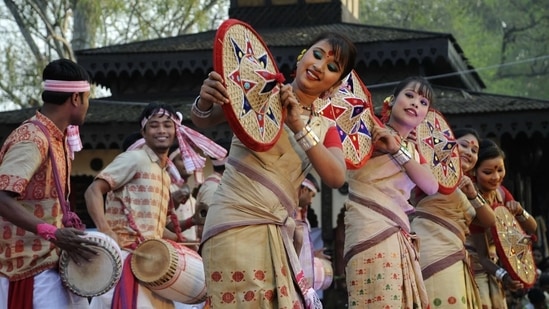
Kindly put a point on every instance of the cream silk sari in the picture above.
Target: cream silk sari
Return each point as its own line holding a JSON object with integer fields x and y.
{"x": 382, "y": 268}
{"x": 247, "y": 247}
{"x": 441, "y": 222}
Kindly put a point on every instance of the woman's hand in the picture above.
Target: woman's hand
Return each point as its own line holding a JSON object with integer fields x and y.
{"x": 512, "y": 285}
{"x": 293, "y": 109}
{"x": 466, "y": 185}
{"x": 212, "y": 92}
{"x": 514, "y": 207}
{"x": 385, "y": 140}
{"x": 207, "y": 111}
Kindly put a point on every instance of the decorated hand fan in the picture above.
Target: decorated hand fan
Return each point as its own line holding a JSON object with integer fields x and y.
{"x": 352, "y": 110}
{"x": 436, "y": 143}
{"x": 253, "y": 82}
{"x": 514, "y": 247}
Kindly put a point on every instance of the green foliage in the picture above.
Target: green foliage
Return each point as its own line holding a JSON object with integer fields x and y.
{"x": 35, "y": 32}
{"x": 502, "y": 39}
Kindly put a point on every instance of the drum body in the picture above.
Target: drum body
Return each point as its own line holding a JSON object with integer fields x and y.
{"x": 171, "y": 270}
{"x": 324, "y": 274}
{"x": 97, "y": 276}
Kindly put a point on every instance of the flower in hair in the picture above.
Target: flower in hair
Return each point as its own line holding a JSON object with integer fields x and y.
{"x": 300, "y": 56}
{"x": 386, "y": 109}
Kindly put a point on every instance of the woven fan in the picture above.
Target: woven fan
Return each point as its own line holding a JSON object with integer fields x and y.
{"x": 351, "y": 109}
{"x": 253, "y": 82}
{"x": 514, "y": 247}
{"x": 436, "y": 143}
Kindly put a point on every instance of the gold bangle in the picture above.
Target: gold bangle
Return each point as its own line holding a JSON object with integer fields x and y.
{"x": 523, "y": 216}
{"x": 402, "y": 156}
{"x": 299, "y": 135}
{"x": 478, "y": 201}
{"x": 308, "y": 141}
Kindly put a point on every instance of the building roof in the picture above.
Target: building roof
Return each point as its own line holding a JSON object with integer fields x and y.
{"x": 450, "y": 101}
{"x": 274, "y": 37}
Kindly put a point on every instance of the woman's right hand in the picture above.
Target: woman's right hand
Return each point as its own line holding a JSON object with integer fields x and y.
{"x": 466, "y": 185}
{"x": 385, "y": 140}
{"x": 212, "y": 92}
{"x": 512, "y": 285}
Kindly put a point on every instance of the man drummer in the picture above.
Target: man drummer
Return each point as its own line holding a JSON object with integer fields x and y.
{"x": 207, "y": 189}
{"x": 137, "y": 185}
{"x": 30, "y": 210}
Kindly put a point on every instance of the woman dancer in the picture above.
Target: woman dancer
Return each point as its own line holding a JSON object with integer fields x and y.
{"x": 491, "y": 278}
{"x": 247, "y": 241}
{"x": 382, "y": 268}
{"x": 442, "y": 223}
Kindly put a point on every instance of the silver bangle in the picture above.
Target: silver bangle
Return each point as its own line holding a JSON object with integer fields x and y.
{"x": 308, "y": 141}
{"x": 478, "y": 201}
{"x": 523, "y": 216}
{"x": 299, "y": 135}
{"x": 500, "y": 273}
{"x": 198, "y": 112}
{"x": 402, "y": 156}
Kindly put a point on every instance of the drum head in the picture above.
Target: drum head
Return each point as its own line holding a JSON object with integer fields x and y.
{"x": 151, "y": 260}
{"x": 513, "y": 247}
{"x": 253, "y": 82}
{"x": 437, "y": 144}
{"x": 352, "y": 111}
{"x": 92, "y": 278}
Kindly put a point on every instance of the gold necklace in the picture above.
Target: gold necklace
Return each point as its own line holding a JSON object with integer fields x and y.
{"x": 307, "y": 108}
{"x": 304, "y": 107}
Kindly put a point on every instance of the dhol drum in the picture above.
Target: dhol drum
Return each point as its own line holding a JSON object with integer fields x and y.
{"x": 171, "y": 270}
{"x": 97, "y": 276}
{"x": 324, "y": 274}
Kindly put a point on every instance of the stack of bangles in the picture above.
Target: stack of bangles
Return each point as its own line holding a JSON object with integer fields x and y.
{"x": 46, "y": 231}
{"x": 306, "y": 138}
{"x": 523, "y": 216}
{"x": 402, "y": 156}
{"x": 478, "y": 201}
{"x": 198, "y": 112}
{"x": 500, "y": 273}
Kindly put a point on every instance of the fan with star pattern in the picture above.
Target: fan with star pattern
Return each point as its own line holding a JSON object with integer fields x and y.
{"x": 436, "y": 143}
{"x": 514, "y": 247}
{"x": 253, "y": 81}
{"x": 352, "y": 111}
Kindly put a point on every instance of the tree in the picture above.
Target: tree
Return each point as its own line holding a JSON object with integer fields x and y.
{"x": 38, "y": 31}
{"x": 509, "y": 37}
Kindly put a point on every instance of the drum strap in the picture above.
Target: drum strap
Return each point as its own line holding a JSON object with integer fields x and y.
{"x": 125, "y": 292}
{"x": 175, "y": 222}
{"x": 70, "y": 218}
